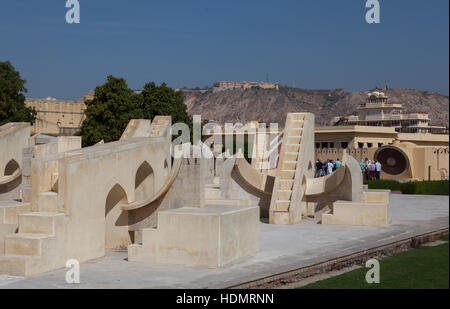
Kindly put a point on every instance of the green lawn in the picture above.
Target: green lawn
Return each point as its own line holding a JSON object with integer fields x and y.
{"x": 421, "y": 268}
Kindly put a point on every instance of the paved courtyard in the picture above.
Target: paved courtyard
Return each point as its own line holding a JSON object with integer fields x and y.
{"x": 282, "y": 248}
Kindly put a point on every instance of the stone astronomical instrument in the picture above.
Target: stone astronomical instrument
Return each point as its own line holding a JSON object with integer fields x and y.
{"x": 394, "y": 161}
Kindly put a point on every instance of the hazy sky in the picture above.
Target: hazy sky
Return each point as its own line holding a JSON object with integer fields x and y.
{"x": 319, "y": 44}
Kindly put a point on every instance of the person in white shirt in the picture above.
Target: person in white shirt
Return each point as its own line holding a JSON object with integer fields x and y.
{"x": 378, "y": 170}
{"x": 330, "y": 167}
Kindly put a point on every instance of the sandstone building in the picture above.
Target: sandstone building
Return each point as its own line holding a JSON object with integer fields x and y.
{"x": 404, "y": 142}
{"x": 378, "y": 111}
{"x": 419, "y": 156}
{"x": 58, "y": 117}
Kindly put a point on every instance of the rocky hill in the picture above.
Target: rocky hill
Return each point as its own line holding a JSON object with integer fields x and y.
{"x": 268, "y": 105}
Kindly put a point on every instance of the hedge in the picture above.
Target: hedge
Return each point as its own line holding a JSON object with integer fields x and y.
{"x": 383, "y": 184}
{"x": 438, "y": 187}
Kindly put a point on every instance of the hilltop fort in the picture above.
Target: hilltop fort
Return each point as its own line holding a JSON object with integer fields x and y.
{"x": 220, "y": 86}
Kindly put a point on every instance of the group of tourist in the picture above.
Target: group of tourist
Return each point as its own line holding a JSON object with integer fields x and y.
{"x": 326, "y": 168}
{"x": 371, "y": 170}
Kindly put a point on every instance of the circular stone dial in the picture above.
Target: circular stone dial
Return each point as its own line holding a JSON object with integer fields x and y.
{"x": 393, "y": 160}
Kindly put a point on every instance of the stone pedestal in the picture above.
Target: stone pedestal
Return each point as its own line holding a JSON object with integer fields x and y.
{"x": 212, "y": 236}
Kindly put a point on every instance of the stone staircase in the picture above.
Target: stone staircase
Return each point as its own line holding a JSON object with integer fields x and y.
{"x": 9, "y": 214}
{"x": 39, "y": 244}
{"x": 37, "y": 247}
{"x": 287, "y": 164}
{"x": 294, "y": 167}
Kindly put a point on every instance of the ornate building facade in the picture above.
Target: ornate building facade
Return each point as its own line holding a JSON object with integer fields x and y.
{"x": 378, "y": 111}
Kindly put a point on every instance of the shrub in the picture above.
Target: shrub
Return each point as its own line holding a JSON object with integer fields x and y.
{"x": 383, "y": 184}
{"x": 438, "y": 187}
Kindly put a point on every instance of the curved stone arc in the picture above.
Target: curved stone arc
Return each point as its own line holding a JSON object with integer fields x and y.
{"x": 10, "y": 178}
{"x": 260, "y": 182}
{"x": 316, "y": 186}
{"x": 167, "y": 184}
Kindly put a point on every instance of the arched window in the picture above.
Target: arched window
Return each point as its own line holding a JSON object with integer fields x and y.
{"x": 116, "y": 220}
{"x": 11, "y": 167}
{"x": 144, "y": 182}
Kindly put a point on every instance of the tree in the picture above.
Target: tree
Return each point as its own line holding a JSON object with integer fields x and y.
{"x": 108, "y": 114}
{"x": 12, "y": 99}
{"x": 163, "y": 100}
{"x": 114, "y": 105}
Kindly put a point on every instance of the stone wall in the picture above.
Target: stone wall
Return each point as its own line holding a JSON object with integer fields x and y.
{"x": 57, "y": 117}
{"x": 337, "y": 153}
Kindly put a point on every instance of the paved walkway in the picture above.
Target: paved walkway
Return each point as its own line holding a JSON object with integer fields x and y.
{"x": 283, "y": 248}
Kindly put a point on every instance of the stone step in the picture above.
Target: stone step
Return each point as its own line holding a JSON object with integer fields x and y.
{"x": 283, "y": 205}
{"x": 294, "y": 131}
{"x": 284, "y": 195}
{"x": 280, "y": 217}
{"x": 9, "y": 213}
{"x": 290, "y": 156}
{"x": 291, "y": 148}
{"x": 289, "y": 165}
{"x": 296, "y": 117}
{"x": 25, "y": 244}
{"x": 287, "y": 174}
{"x": 357, "y": 213}
{"x": 30, "y": 251}
{"x": 38, "y": 222}
{"x": 47, "y": 202}
{"x": 9, "y": 219}
{"x": 296, "y": 124}
{"x": 294, "y": 139}
{"x": 15, "y": 265}
{"x": 285, "y": 184}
